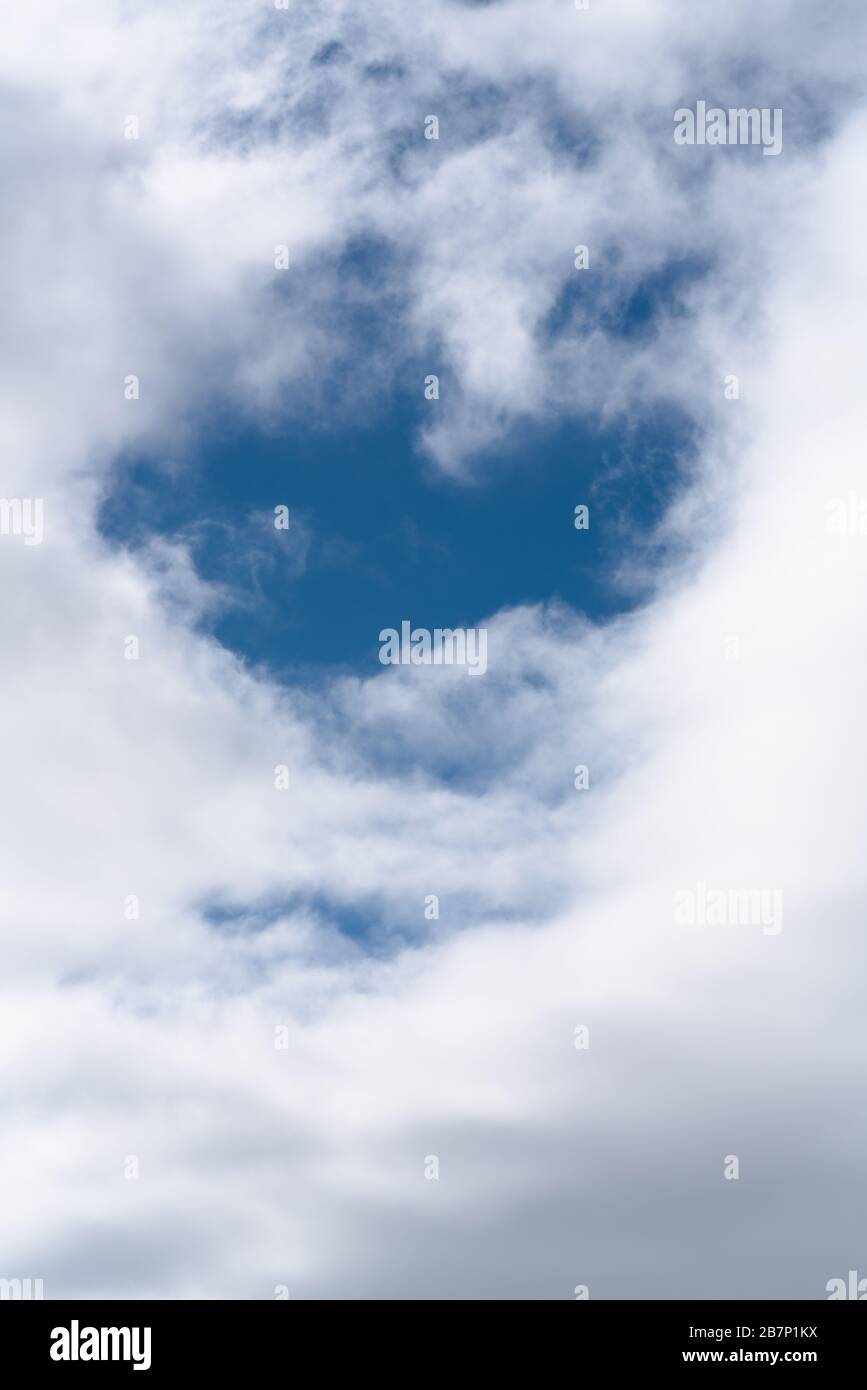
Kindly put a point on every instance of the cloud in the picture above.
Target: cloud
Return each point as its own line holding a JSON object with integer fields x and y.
{"x": 735, "y": 764}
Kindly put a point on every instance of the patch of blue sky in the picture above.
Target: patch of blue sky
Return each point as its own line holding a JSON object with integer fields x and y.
{"x": 629, "y": 309}
{"x": 378, "y": 921}
{"x": 374, "y": 924}
{"x": 377, "y": 536}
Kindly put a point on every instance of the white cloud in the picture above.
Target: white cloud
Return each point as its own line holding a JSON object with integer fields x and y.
{"x": 154, "y": 1036}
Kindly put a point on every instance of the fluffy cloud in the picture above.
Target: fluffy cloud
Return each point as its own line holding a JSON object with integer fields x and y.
{"x": 155, "y": 1036}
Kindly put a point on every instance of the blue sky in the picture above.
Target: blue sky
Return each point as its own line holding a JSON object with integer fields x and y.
{"x": 377, "y": 534}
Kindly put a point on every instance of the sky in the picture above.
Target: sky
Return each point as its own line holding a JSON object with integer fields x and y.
{"x": 321, "y": 977}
